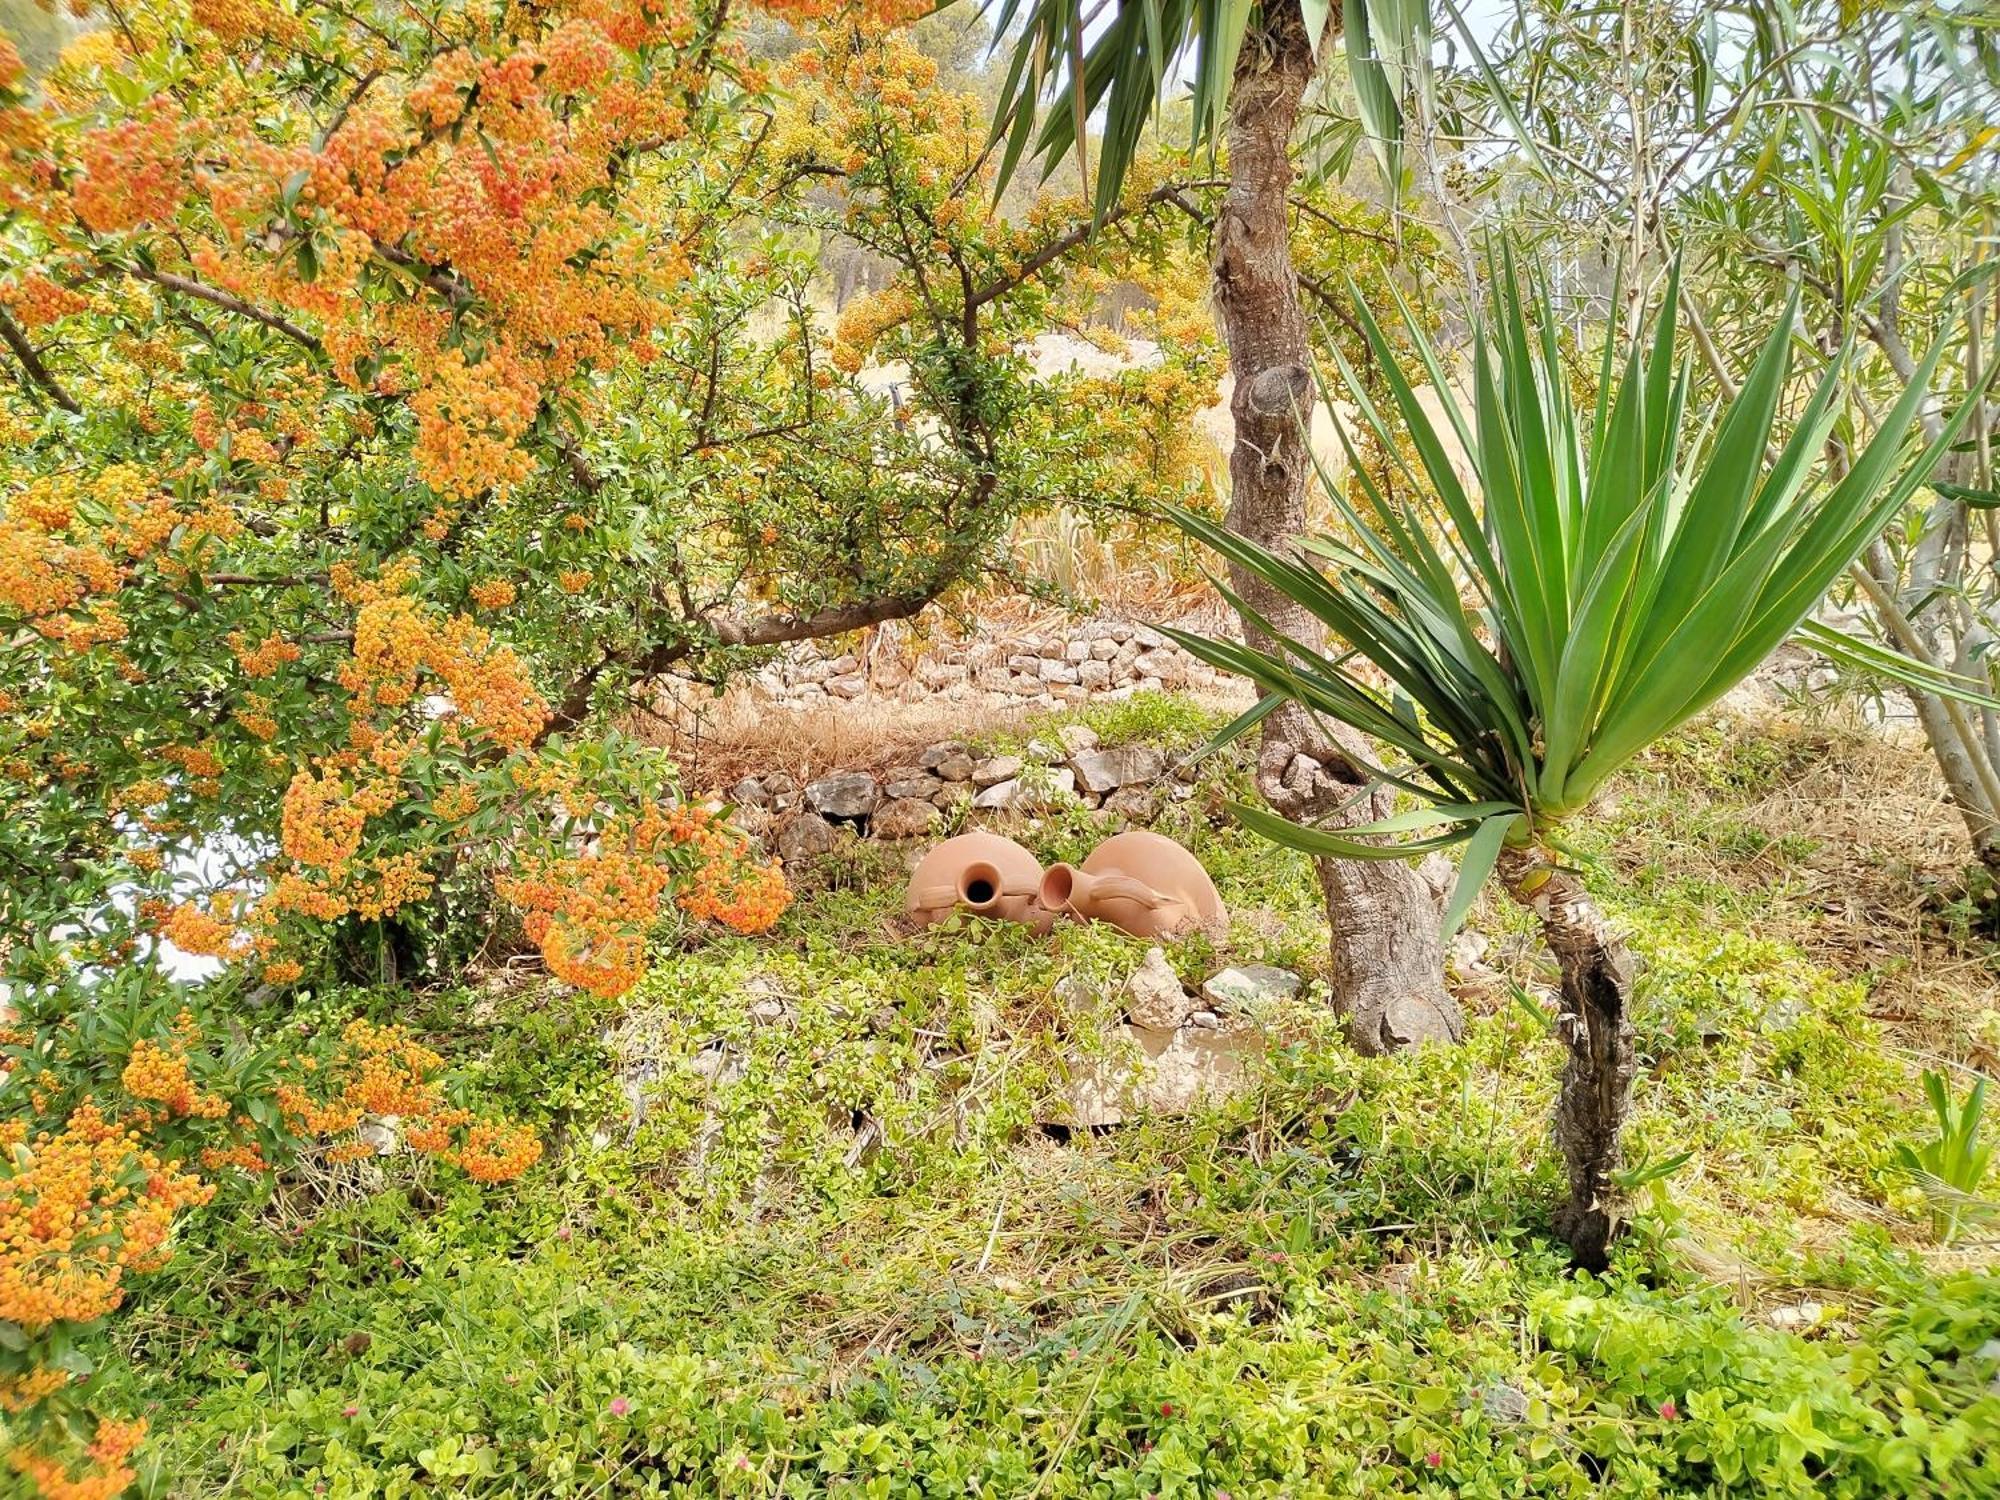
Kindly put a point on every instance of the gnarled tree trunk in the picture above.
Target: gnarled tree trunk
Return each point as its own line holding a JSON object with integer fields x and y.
{"x": 1596, "y": 1031}
{"x": 1388, "y": 965}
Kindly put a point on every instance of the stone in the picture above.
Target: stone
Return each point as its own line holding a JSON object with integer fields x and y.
{"x": 1058, "y": 671}
{"x": 1022, "y": 662}
{"x": 749, "y": 792}
{"x": 1151, "y": 685}
{"x": 936, "y": 755}
{"x": 379, "y": 1136}
{"x": 1076, "y": 651}
{"x": 1043, "y": 751}
{"x": 922, "y": 786}
{"x": 1051, "y": 649}
{"x": 1077, "y": 738}
{"x": 1106, "y": 770}
{"x": 951, "y": 793}
{"x": 1148, "y": 638}
{"x": 1120, "y": 633}
{"x": 1504, "y": 1403}
{"x": 1103, "y": 648}
{"x": 781, "y": 783}
{"x": 1000, "y": 768}
{"x": 942, "y": 674}
{"x": 1047, "y": 789}
{"x": 889, "y": 672}
{"x": 753, "y": 820}
{"x": 1154, "y": 997}
{"x": 720, "y": 1063}
{"x": 1026, "y": 687}
{"x": 852, "y": 685}
{"x": 903, "y": 818}
{"x": 995, "y": 680}
{"x": 1162, "y": 1072}
{"x": 1000, "y": 795}
{"x": 904, "y": 770}
{"x": 957, "y": 766}
{"x": 844, "y": 794}
{"x": 1134, "y": 804}
{"x": 843, "y": 664}
{"x": 806, "y": 835}
{"x": 1247, "y": 987}
{"x": 1094, "y": 674}
{"x": 985, "y": 654}
{"x": 1070, "y": 692}
{"x": 1165, "y": 665}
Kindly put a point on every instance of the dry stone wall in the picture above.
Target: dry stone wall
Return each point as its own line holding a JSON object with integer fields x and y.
{"x": 1063, "y": 766}
{"x": 1095, "y": 661}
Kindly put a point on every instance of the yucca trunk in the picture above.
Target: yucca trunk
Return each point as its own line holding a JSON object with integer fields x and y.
{"x": 1596, "y": 1031}
{"x": 1388, "y": 966}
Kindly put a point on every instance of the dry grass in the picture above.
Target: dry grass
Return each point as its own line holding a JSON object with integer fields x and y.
{"x": 1863, "y": 844}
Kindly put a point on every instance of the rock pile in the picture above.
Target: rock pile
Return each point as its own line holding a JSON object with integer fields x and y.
{"x": 1171, "y": 1049}
{"x": 1095, "y": 661}
{"x": 1062, "y": 767}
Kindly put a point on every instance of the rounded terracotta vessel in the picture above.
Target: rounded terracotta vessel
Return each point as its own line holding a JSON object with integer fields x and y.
{"x": 981, "y": 873}
{"x": 1143, "y": 882}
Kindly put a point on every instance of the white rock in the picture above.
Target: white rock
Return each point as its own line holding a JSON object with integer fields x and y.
{"x": 1000, "y": 768}
{"x": 1245, "y": 988}
{"x": 1106, "y": 770}
{"x": 1077, "y": 738}
{"x": 1000, "y": 795}
{"x": 1154, "y": 997}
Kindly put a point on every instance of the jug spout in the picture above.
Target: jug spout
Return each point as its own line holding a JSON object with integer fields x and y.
{"x": 980, "y": 887}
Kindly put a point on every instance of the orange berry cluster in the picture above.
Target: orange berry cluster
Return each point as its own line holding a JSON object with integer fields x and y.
{"x": 160, "y": 1073}
{"x": 727, "y": 886}
{"x": 590, "y": 914}
{"x": 105, "y": 1475}
{"x": 78, "y": 1209}
{"x": 383, "y": 1072}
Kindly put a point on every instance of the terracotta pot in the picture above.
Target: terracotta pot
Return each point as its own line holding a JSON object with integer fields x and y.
{"x": 1143, "y": 882}
{"x": 981, "y": 873}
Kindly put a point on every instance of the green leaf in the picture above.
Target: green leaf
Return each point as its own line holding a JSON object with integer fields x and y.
{"x": 1482, "y": 852}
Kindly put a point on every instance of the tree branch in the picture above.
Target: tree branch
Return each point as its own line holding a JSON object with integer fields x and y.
{"x": 228, "y": 301}
{"x": 31, "y": 362}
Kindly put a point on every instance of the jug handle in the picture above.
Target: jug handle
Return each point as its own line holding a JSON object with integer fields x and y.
{"x": 1128, "y": 888}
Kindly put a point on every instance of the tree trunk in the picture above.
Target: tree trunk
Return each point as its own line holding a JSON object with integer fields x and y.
{"x": 1388, "y": 964}
{"x": 1596, "y": 1031}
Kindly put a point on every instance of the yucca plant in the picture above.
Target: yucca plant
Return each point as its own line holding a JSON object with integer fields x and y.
{"x": 1611, "y": 569}
{"x": 1952, "y": 1167}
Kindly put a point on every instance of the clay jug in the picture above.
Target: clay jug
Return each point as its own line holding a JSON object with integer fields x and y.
{"x": 1143, "y": 882}
{"x": 981, "y": 873}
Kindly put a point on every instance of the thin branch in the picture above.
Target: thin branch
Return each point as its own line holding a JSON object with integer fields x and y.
{"x": 31, "y": 362}
{"x": 228, "y": 301}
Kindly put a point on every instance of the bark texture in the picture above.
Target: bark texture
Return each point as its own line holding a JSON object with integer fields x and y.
{"x": 1596, "y": 1031}
{"x": 1388, "y": 963}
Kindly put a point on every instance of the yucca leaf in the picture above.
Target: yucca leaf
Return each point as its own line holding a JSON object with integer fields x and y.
{"x": 1867, "y": 656}
{"x": 1482, "y": 853}
{"x": 1326, "y": 845}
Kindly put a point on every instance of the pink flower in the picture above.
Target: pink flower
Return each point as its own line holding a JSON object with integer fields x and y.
{"x": 1166, "y": 1408}
{"x": 350, "y": 1411}
{"x": 563, "y": 1233}
{"x": 620, "y": 1406}
{"x": 1668, "y": 1411}
{"x": 1434, "y": 1458}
